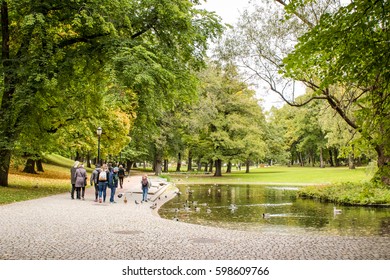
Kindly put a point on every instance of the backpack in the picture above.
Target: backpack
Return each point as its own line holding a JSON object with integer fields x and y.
{"x": 103, "y": 176}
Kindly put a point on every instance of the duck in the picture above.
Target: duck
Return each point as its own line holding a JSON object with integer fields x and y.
{"x": 120, "y": 195}
{"x": 136, "y": 202}
{"x": 125, "y": 200}
{"x": 336, "y": 211}
{"x": 233, "y": 207}
{"x": 266, "y": 215}
{"x": 176, "y": 219}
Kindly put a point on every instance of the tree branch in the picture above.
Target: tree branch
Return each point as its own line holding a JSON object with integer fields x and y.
{"x": 299, "y": 15}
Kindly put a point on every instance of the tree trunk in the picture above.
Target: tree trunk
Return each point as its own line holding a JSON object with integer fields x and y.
{"x": 218, "y": 168}
{"x": 229, "y": 167}
{"x": 8, "y": 86}
{"x": 336, "y": 157}
{"x": 199, "y": 163}
{"x": 189, "y": 165}
{"x": 88, "y": 160}
{"x": 178, "y": 167}
{"x": 331, "y": 158}
{"x": 5, "y": 159}
{"x": 39, "y": 165}
{"x": 301, "y": 159}
{"x": 322, "y": 163}
{"x": 247, "y": 163}
{"x": 211, "y": 165}
{"x": 30, "y": 166}
{"x": 383, "y": 173}
{"x": 351, "y": 159}
{"x": 165, "y": 165}
{"x": 158, "y": 163}
{"x": 129, "y": 164}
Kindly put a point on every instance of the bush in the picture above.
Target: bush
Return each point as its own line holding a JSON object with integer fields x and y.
{"x": 349, "y": 193}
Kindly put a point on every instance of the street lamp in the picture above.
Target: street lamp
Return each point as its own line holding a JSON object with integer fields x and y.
{"x": 99, "y": 133}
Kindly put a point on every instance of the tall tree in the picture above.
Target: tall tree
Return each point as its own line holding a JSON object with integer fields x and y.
{"x": 143, "y": 44}
{"x": 350, "y": 49}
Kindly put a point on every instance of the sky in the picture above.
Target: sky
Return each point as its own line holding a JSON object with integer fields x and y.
{"x": 229, "y": 11}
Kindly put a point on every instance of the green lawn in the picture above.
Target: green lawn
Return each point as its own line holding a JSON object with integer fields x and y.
{"x": 54, "y": 180}
{"x": 280, "y": 175}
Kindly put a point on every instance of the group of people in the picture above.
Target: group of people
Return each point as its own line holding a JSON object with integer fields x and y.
{"x": 106, "y": 176}
{"x": 102, "y": 178}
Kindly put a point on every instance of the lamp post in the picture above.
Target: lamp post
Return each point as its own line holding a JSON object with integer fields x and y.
{"x": 99, "y": 133}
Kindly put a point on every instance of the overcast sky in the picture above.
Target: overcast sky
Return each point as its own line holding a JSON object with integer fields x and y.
{"x": 229, "y": 11}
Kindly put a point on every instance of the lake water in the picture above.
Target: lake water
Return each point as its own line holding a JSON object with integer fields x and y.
{"x": 283, "y": 212}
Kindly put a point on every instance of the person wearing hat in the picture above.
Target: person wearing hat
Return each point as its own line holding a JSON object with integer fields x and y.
{"x": 94, "y": 180}
{"x": 73, "y": 178}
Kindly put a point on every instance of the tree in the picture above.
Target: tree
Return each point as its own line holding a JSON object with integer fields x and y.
{"x": 233, "y": 122}
{"x": 349, "y": 49}
{"x": 51, "y": 48}
{"x": 339, "y": 47}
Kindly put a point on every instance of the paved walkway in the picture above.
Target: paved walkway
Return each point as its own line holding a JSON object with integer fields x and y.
{"x": 58, "y": 228}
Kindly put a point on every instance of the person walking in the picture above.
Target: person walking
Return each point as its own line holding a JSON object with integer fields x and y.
{"x": 145, "y": 185}
{"x": 103, "y": 181}
{"x": 121, "y": 175}
{"x": 94, "y": 181}
{"x": 81, "y": 181}
{"x": 113, "y": 182}
{"x": 73, "y": 178}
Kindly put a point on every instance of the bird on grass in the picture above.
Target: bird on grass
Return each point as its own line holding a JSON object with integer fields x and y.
{"x": 208, "y": 210}
{"x": 266, "y": 215}
{"x": 233, "y": 207}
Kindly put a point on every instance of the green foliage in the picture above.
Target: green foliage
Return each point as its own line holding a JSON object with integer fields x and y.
{"x": 72, "y": 66}
{"x": 349, "y": 49}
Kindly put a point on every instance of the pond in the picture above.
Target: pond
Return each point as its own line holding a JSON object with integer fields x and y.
{"x": 242, "y": 207}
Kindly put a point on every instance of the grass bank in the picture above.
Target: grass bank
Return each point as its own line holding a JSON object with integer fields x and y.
{"x": 340, "y": 185}
{"x": 54, "y": 180}
{"x": 278, "y": 175}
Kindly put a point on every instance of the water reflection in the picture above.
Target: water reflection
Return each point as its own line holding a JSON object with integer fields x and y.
{"x": 271, "y": 209}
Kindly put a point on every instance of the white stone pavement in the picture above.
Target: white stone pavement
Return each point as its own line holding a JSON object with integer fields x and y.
{"x": 59, "y": 228}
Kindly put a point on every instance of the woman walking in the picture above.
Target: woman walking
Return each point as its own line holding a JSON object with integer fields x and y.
{"x": 145, "y": 185}
{"x": 81, "y": 181}
{"x": 121, "y": 175}
{"x": 103, "y": 182}
{"x": 73, "y": 178}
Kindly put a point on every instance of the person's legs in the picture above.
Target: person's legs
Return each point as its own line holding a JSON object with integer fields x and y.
{"x": 113, "y": 189}
{"x": 82, "y": 192}
{"x": 145, "y": 194}
{"x": 72, "y": 192}
{"x": 104, "y": 191}
{"x": 78, "y": 193}
{"x": 101, "y": 189}
{"x": 96, "y": 191}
